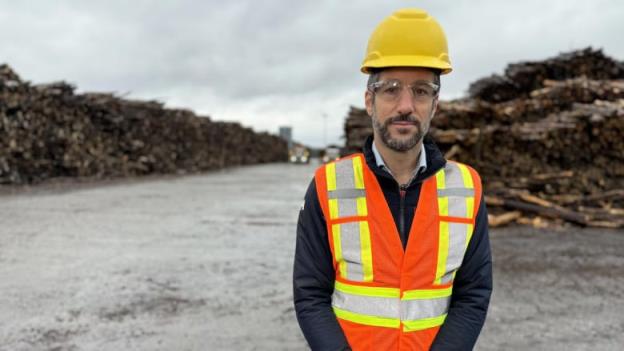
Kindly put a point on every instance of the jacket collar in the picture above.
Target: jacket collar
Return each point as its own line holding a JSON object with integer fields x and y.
{"x": 420, "y": 167}
{"x": 434, "y": 159}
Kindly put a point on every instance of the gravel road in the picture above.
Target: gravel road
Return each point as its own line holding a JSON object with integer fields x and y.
{"x": 204, "y": 262}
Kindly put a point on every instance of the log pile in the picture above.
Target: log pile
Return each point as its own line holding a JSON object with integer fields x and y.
{"x": 357, "y": 128}
{"x": 49, "y": 131}
{"x": 547, "y": 138}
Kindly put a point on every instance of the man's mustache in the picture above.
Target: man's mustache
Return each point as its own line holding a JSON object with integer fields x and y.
{"x": 402, "y": 118}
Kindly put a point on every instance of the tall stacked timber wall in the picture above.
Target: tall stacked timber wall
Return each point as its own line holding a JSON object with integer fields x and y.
{"x": 49, "y": 131}
{"x": 547, "y": 138}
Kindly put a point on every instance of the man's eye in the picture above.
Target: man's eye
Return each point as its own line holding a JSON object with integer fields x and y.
{"x": 420, "y": 91}
{"x": 393, "y": 89}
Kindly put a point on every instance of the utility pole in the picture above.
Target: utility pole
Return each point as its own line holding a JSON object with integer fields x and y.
{"x": 324, "y": 130}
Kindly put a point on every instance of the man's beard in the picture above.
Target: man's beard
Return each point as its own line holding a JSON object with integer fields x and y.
{"x": 394, "y": 144}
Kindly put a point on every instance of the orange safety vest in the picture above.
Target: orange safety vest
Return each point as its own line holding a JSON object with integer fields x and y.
{"x": 387, "y": 298}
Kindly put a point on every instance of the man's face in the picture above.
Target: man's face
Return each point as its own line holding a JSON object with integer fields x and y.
{"x": 401, "y": 123}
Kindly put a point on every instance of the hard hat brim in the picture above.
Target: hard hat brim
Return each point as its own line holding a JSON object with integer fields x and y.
{"x": 406, "y": 61}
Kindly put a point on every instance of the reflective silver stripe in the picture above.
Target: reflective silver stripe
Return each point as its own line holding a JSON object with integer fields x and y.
{"x": 387, "y": 307}
{"x": 347, "y": 207}
{"x": 459, "y": 197}
{"x": 457, "y": 206}
{"x": 344, "y": 174}
{"x": 347, "y": 198}
{"x": 425, "y": 308}
{"x": 447, "y": 277}
{"x": 462, "y": 192}
{"x": 391, "y": 307}
{"x": 454, "y": 180}
{"x": 347, "y": 193}
{"x": 352, "y": 250}
{"x": 345, "y": 182}
{"x": 457, "y": 245}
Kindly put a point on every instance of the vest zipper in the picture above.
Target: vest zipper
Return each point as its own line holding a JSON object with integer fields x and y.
{"x": 402, "y": 190}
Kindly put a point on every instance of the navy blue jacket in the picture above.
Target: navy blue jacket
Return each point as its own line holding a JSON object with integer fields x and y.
{"x": 313, "y": 276}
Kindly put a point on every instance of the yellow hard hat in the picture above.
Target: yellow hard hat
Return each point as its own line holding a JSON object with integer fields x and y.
{"x": 407, "y": 38}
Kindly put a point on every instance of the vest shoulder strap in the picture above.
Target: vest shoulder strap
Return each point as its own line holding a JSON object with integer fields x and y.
{"x": 341, "y": 189}
{"x": 459, "y": 190}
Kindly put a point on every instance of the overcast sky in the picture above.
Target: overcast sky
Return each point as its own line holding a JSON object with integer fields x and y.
{"x": 272, "y": 63}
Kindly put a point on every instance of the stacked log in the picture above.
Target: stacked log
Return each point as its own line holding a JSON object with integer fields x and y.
{"x": 520, "y": 79}
{"x": 49, "y": 131}
{"x": 357, "y": 128}
{"x": 547, "y": 139}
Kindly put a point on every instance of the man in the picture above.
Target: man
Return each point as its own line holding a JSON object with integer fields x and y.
{"x": 392, "y": 244}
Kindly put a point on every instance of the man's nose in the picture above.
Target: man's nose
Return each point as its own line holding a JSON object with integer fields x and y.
{"x": 405, "y": 105}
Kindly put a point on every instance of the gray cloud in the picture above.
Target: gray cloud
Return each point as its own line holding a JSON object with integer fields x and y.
{"x": 267, "y": 63}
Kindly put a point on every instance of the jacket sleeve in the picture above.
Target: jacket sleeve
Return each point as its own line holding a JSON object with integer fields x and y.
{"x": 313, "y": 279}
{"x": 471, "y": 292}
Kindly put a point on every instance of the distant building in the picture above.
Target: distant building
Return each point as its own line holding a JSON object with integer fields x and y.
{"x": 286, "y": 134}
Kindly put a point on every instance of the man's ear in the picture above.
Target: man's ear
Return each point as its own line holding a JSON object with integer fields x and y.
{"x": 368, "y": 100}
{"x": 434, "y": 107}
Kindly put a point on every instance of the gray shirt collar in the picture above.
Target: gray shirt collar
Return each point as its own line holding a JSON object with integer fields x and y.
{"x": 422, "y": 161}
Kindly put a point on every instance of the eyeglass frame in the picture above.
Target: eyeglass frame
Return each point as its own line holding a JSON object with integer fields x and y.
{"x": 436, "y": 88}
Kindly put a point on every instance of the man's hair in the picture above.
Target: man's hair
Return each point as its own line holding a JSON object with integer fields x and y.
{"x": 373, "y": 77}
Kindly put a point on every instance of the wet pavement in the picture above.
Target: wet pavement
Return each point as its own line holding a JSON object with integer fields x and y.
{"x": 204, "y": 262}
{"x": 556, "y": 290}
